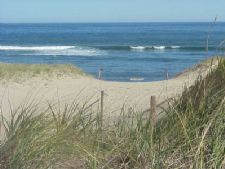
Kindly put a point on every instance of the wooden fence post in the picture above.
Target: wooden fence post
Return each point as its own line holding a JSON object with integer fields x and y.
{"x": 100, "y": 73}
{"x": 153, "y": 109}
{"x": 101, "y": 110}
{"x": 167, "y": 74}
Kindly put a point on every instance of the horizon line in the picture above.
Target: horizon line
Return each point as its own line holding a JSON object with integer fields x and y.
{"x": 110, "y": 22}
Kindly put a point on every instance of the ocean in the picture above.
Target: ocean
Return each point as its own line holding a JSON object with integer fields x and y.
{"x": 125, "y": 51}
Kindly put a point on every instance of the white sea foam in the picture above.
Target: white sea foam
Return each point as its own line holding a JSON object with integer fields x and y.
{"x": 159, "y": 47}
{"x": 136, "y": 79}
{"x": 35, "y": 48}
{"x": 138, "y": 47}
{"x": 154, "y": 47}
{"x": 71, "y": 52}
{"x": 175, "y": 47}
{"x": 54, "y": 50}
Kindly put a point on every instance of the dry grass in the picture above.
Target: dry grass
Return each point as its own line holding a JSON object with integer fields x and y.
{"x": 19, "y": 72}
{"x": 203, "y": 66}
{"x": 191, "y": 136}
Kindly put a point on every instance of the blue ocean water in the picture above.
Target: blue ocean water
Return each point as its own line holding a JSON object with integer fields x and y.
{"x": 125, "y": 51}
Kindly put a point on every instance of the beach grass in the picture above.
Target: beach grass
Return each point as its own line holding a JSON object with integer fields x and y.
{"x": 190, "y": 136}
{"x": 9, "y": 71}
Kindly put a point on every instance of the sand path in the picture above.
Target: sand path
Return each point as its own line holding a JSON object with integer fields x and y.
{"x": 86, "y": 89}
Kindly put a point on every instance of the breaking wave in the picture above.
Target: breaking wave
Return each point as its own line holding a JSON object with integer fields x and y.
{"x": 140, "y": 48}
{"x": 173, "y": 47}
{"x": 54, "y": 50}
{"x": 153, "y": 47}
{"x": 93, "y": 50}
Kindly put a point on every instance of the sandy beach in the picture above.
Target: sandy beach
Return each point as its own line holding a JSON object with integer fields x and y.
{"x": 86, "y": 90}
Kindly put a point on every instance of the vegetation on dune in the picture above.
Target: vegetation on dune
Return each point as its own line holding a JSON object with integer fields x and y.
{"x": 191, "y": 135}
{"x": 195, "y": 123}
{"x": 202, "y": 67}
{"x": 26, "y": 71}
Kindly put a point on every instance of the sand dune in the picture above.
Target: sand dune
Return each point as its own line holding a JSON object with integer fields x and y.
{"x": 82, "y": 89}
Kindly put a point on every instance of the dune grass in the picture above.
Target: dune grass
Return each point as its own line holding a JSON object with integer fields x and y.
{"x": 25, "y": 71}
{"x": 190, "y": 136}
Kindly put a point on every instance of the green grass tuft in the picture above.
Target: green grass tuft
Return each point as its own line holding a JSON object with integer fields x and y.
{"x": 190, "y": 136}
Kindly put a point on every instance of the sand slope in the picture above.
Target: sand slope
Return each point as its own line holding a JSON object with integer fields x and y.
{"x": 84, "y": 89}
{"x": 66, "y": 89}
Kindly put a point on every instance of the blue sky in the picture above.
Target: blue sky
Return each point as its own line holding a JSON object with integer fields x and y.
{"x": 110, "y": 10}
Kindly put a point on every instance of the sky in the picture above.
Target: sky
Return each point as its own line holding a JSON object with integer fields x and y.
{"x": 31, "y": 11}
